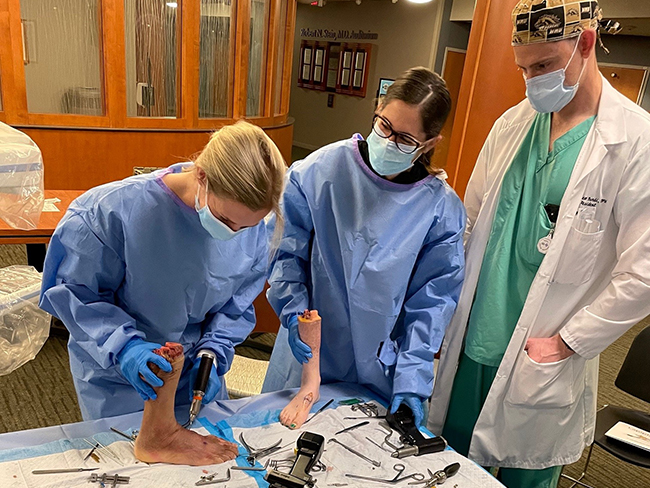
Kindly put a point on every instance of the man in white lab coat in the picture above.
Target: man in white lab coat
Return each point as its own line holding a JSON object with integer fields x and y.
{"x": 557, "y": 251}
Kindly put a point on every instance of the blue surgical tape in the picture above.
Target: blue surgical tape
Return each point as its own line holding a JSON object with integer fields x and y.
{"x": 223, "y": 430}
{"x": 58, "y": 447}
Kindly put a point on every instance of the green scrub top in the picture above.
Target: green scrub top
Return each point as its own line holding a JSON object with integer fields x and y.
{"x": 535, "y": 178}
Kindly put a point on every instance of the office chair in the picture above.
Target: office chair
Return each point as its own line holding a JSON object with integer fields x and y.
{"x": 632, "y": 379}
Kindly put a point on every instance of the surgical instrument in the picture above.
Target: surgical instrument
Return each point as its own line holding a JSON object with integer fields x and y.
{"x": 309, "y": 450}
{"x": 368, "y": 409}
{"x": 62, "y": 470}
{"x": 439, "y": 477}
{"x": 415, "y": 444}
{"x": 113, "y": 479}
{"x": 127, "y": 436}
{"x": 92, "y": 451}
{"x": 356, "y": 453}
{"x": 249, "y": 468}
{"x": 288, "y": 463}
{"x": 319, "y": 410}
{"x": 379, "y": 417}
{"x": 200, "y": 384}
{"x": 209, "y": 479}
{"x": 356, "y": 426}
{"x": 387, "y": 439}
{"x": 400, "y": 468}
{"x": 105, "y": 450}
{"x": 253, "y": 454}
{"x": 378, "y": 445}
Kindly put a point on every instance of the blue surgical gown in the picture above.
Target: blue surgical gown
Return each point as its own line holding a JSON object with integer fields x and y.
{"x": 131, "y": 259}
{"x": 383, "y": 264}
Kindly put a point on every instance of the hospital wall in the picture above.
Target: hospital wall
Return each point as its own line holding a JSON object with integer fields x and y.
{"x": 407, "y": 37}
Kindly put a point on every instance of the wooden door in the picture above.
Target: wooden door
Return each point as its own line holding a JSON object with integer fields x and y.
{"x": 452, "y": 72}
{"x": 490, "y": 85}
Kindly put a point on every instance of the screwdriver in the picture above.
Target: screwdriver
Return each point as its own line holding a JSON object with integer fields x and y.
{"x": 201, "y": 383}
{"x": 439, "y": 477}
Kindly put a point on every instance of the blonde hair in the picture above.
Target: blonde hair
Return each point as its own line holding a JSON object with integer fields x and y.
{"x": 243, "y": 164}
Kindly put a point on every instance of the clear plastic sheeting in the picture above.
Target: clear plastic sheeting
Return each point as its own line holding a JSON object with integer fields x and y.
{"x": 21, "y": 179}
{"x": 24, "y": 327}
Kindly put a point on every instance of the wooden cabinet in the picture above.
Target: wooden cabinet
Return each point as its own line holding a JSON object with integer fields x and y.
{"x": 146, "y": 64}
{"x": 631, "y": 81}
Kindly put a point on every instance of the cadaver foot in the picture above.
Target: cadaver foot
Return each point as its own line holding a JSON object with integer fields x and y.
{"x": 161, "y": 438}
{"x": 295, "y": 414}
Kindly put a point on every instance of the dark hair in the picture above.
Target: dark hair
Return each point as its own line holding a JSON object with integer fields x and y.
{"x": 425, "y": 89}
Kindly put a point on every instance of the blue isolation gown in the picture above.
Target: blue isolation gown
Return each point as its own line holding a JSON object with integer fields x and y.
{"x": 383, "y": 264}
{"x": 131, "y": 259}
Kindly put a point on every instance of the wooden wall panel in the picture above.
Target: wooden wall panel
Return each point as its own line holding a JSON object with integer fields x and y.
{"x": 491, "y": 84}
{"x": 452, "y": 73}
{"x": 77, "y": 159}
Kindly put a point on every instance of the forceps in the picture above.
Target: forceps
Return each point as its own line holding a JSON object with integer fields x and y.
{"x": 400, "y": 468}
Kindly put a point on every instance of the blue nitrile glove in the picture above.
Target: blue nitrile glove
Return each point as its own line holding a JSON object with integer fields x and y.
{"x": 214, "y": 382}
{"x": 413, "y": 401}
{"x": 300, "y": 350}
{"x": 133, "y": 359}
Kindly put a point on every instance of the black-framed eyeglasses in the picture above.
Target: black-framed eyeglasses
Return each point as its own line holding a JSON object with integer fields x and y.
{"x": 404, "y": 142}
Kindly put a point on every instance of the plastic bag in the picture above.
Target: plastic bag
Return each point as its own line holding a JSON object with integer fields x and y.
{"x": 24, "y": 327}
{"x": 21, "y": 179}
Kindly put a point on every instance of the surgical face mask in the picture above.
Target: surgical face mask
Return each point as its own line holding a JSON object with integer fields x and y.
{"x": 547, "y": 93}
{"x": 215, "y": 227}
{"x": 385, "y": 158}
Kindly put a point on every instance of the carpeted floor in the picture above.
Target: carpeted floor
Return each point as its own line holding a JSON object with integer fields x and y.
{"x": 41, "y": 394}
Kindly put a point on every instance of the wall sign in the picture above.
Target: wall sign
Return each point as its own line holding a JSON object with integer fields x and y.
{"x": 336, "y": 35}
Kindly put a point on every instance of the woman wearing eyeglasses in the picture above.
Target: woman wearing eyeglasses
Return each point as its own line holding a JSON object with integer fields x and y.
{"x": 373, "y": 240}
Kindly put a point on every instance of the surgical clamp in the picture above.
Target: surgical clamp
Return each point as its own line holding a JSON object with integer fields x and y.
{"x": 400, "y": 468}
{"x": 253, "y": 454}
{"x": 356, "y": 453}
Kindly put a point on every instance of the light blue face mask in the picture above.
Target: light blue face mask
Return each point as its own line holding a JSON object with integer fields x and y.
{"x": 547, "y": 93}
{"x": 385, "y": 158}
{"x": 215, "y": 227}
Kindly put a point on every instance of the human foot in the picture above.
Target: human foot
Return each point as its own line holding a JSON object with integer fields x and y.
{"x": 183, "y": 446}
{"x": 295, "y": 414}
{"x": 161, "y": 438}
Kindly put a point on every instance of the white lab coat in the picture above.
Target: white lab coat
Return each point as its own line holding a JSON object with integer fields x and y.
{"x": 590, "y": 287}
